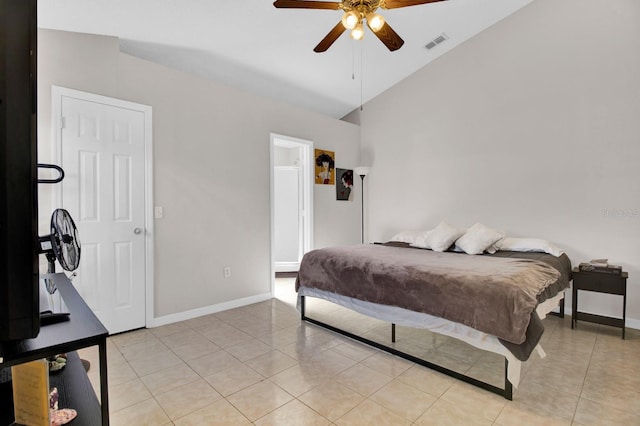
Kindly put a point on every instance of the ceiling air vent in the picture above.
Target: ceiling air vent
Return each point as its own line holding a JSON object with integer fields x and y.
{"x": 436, "y": 41}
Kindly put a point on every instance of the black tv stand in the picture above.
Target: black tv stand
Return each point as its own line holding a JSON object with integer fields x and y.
{"x": 82, "y": 330}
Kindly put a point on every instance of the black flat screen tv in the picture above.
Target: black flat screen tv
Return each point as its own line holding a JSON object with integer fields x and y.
{"x": 19, "y": 296}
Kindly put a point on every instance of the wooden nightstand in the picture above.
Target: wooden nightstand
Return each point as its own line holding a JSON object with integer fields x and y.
{"x": 601, "y": 283}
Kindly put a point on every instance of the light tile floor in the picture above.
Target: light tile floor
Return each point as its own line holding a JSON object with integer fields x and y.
{"x": 260, "y": 365}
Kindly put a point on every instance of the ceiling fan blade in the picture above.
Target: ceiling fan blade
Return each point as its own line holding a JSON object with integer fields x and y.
{"x": 306, "y": 4}
{"x": 395, "y": 4}
{"x": 328, "y": 40}
{"x": 390, "y": 38}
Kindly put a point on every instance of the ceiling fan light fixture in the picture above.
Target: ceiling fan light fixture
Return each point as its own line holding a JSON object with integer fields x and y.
{"x": 355, "y": 12}
{"x": 358, "y": 32}
{"x": 376, "y": 22}
{"x": 350, "y": 19}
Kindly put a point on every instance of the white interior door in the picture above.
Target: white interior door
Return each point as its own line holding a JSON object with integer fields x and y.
{"x": 102, "y": 150}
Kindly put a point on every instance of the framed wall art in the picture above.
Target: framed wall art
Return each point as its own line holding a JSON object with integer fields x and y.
{"x": 344, "y": 184}
{"x": 325, "y": 167}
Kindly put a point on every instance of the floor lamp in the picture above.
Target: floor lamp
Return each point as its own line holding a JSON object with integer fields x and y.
{"x": 362, "y": 171}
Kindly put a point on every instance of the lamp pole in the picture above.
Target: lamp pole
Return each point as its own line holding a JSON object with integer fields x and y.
{"x": 362, "y": 210}
{"x": 362, "y": 171}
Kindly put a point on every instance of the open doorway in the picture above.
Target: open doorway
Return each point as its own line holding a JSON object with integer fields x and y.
{"x": 291, "y": 202}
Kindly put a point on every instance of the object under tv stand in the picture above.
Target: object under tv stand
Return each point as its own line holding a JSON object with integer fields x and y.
{"x": 83, "y": 329}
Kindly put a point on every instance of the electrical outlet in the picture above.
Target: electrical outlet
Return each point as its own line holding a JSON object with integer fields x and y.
{"x": 227, "y": 271}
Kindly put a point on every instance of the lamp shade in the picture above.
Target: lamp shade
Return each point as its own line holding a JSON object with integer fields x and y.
{"x": 358, "y": 32}
{"x": 350, "y": 19}
{"x": 362, "y": 170}
{"x": 375, "y": 21}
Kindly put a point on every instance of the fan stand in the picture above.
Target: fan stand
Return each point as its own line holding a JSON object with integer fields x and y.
{"x": 51, "y": 269}
{"x": 46, "y": 248}
{"x": 51, "y": 262}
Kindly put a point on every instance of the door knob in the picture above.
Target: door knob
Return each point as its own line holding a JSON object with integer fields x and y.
{"x": 137, "y": 231}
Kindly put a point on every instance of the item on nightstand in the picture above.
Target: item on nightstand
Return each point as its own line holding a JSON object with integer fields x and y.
{"x": 31, "y": 401}
{"x": 63, "y": 416}
{"x": 599, "y": 262}
{"x": 601, "y": 266}
{"x": 57, "y": 362}
{"x": 59, "y": 417}
{"x": 53, "y": 399}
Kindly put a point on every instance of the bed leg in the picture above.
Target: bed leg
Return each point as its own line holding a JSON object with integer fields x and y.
{"x": 560, "y": 313}
{"x": 302, "y": 317}
{"x": 508, "y": 387}
{"x": 393, "y": 332}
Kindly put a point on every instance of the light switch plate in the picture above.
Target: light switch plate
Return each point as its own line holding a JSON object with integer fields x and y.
{"x": 158, "y": 212}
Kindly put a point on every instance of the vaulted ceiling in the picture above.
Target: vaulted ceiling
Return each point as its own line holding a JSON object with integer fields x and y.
{"x": 252, "y": 45}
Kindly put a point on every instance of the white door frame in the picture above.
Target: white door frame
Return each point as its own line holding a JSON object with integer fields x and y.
{"x": 306, "y": 154}
{"x": 57, "y": 93}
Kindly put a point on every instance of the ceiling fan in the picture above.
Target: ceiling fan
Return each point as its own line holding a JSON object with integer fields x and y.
{"x": 355, "y": 13}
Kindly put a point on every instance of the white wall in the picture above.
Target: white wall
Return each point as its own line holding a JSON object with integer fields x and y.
{"x": 531, "y": 127}
{"x": 211, "y": 166}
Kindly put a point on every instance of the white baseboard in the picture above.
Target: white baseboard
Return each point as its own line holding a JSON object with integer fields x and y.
{"x": 632, "y": 323}
{"x": 287, "y": 266}
{"x": 195, "y": 313}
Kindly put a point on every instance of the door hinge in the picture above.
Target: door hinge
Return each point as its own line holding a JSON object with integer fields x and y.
{"x": 62, "y": 123}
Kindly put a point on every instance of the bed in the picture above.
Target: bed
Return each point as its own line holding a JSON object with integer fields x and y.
{"x": 494, "y": 302}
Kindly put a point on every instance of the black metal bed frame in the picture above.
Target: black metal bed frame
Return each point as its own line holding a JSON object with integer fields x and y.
{"x": 507, "y": 392}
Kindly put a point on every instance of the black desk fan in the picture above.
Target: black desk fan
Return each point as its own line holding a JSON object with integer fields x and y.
{"x": 63, "y": 245}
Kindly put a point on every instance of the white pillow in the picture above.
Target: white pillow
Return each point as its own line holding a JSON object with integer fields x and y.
{"x": 408, "y": 236}
{"x": 443, "y": 236}
{"x": 421, "y": 240}
{"x": 530, "y": 244}
{"x": 493, "y": 248}
{"x": 478, "y": 238}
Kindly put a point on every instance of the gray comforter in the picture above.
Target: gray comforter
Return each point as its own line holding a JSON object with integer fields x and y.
{"x": 495, "y": 294}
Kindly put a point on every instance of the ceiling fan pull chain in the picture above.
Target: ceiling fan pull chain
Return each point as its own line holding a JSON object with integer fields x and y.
{"x": 361, "y": 72}
{"x": 353, "y": 61}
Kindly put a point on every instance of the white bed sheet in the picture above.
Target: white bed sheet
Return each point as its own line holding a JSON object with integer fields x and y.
{"x": 405, "y": 317}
